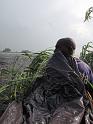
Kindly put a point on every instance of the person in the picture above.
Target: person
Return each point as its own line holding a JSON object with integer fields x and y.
{"x": 59, "y": 95}
{"x": 67, "y": 46}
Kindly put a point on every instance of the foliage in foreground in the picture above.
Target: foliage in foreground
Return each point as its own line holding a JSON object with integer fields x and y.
{"x": 19, "y": 82}
{"x": 87, "y": 54}
{"x": 88, "y": 14}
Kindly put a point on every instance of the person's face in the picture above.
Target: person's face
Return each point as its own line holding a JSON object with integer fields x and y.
{"x": 68, "y": 50}
{"x": 71, "y": 50}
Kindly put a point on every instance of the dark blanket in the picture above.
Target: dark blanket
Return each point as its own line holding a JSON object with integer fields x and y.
{"x": 58, "y": 96}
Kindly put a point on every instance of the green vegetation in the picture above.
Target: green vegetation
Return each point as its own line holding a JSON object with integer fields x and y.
{"x": 19, "y": 82}
{"x": 87, "y": 54}
{"x": 88, "y": 14}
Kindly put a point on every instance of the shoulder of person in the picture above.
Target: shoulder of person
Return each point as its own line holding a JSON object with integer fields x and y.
{"x": 81, "y": 62}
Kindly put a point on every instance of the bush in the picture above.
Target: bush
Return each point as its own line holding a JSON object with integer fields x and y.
{"x": 7, "y": 50}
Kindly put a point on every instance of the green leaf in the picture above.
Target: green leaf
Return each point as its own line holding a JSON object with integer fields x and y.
{"x": 3, "y": 88}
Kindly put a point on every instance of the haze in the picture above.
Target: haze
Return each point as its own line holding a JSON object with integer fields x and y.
{"x": 37, "y": 24}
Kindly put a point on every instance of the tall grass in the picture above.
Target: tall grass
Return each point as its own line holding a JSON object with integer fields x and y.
{"x": 18, "y": 81}
{"x": 87, "y": 54}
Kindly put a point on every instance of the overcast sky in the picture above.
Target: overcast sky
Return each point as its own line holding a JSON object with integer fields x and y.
{"x": 37, "y": 24}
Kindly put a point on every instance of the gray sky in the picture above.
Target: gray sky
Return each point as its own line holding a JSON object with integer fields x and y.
{"x": 37, "y": 24}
